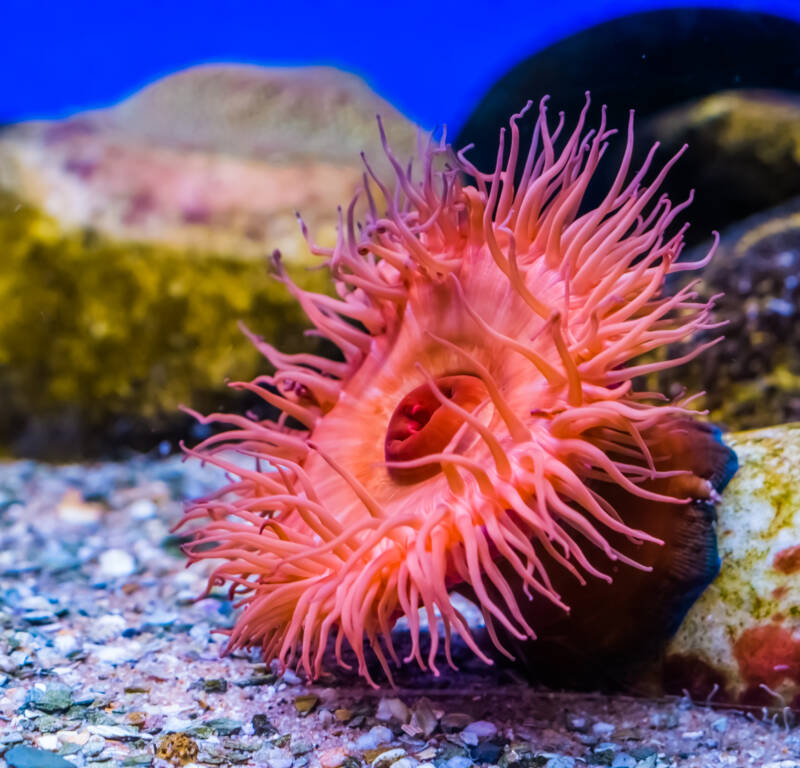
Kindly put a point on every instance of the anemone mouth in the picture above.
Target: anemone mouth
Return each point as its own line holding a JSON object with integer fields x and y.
{"x": 420, "y": 426}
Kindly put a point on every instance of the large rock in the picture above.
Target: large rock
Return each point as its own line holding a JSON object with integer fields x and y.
{"x": 744, "y": 152}
{"x": 752, "y": 378}
{"x": 741, "y": 640}
{"x": 652, "y": 62}
{"x": 135, "y": 237}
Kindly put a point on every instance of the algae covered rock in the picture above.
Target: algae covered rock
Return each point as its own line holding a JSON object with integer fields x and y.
{"x": 135, "y": 238}
{"x": 740, "y": 642}
{"x": 752, "y": 378}
{"x": 744, "y": 152}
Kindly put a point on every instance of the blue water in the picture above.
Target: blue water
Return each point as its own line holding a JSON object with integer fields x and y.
{"x": 432, "y": 60}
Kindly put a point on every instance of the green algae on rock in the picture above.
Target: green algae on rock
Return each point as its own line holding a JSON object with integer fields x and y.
{"x": 744, "y": 152}
{"x": 741, "y": 640}
{"x": 95, "y": 332}
{"x": 752, "y": 378}
{"x": 135, "y": 237}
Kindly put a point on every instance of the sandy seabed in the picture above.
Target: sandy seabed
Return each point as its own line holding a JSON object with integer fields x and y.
{"x": 106, "y": 659}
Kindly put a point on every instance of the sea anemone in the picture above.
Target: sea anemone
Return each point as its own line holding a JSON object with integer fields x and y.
{"x": 481, "y": 419}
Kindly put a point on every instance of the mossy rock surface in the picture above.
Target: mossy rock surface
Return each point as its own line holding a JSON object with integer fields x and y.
{"x": 751, "y": 378}
{"x": 101, "y": 341}
{"x": 135, "y": 238}
{"x": 744, "y": 631}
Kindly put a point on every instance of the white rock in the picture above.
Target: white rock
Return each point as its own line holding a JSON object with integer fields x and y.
{"x": 480, "y": 730}
{"x": 48, "y": 741}
{"x": 373, "y": 738}
{"x": 142, "y": 509}
{"x": 115, "y": 563}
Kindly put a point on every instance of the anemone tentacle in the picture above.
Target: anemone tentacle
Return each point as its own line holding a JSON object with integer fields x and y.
{"x": 545, "y": 307}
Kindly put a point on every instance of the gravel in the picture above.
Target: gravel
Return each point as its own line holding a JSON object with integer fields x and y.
{"x": 107, "y": 659}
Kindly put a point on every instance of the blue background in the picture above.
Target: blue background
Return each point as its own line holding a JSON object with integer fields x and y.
{"x": 433, "y": 60}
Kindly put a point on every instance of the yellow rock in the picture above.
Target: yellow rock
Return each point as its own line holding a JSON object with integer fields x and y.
{"x": 135, "y": 238}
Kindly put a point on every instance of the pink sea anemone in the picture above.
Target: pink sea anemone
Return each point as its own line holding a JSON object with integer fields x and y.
{"x": 482, "y": 418}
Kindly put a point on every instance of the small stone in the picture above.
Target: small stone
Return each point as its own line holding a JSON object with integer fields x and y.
{"x": 48, "y": 741}
{"x": 177, "y": 748}
{"x": 623, "y": 760}
{"x": 459, "y": 761}
{"x": 66, "y": 643}
{"x": 304, "y": 704}
{"x": 116, "y": 563}
{"x": 75, "y": 510}
{"x": 480, "y": 730}
{"x": 487, "y": 752}
{"x": 603, "y": 754}
{"x": 224, "y": 726}
{"x": 301, "y": 747}
{"x": 291, "y": 678}
{"x": 121, "y": 732}
{"x": 142, "y": 509}
{"x": 50, "y": 698}
{"x": 342, "y": 715}
{"x": 215, "y": 685}
{"x": 423, "y": 718}
{"x": 79, "y": 738}
{"x": 136, "y": 719}
{"x": 332, "y": 758}
{"x": 720, "y": 725}
{"x": 604, "y": 730}
{"x": 263, "y": 727}
{"x": 106, "y": 628}
{"x": 578, "y": 723}
{"x": 392, "y": 709}
{"x": 23, "y": 756}
{"x": 664, "y": 720}
{"x": 385, "y": 758}
{"x": 94, "y": 746}
{"x": 374, "y": 738}
{"x": 455, "y": 721}
{"x": 560, "y": 761}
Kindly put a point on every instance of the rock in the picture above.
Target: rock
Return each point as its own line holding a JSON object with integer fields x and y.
{"x": 740, "y": 641}
{"x": 480, "y": 730}
{"x": 374, "y": 738}
{"x": 51, "y": 698}
{"x": 117, "y": 563}
{"x": 134, "y": 239}
{"x": 744, "y": 152}
{"x": 392, "y": 709}
{"x": 29, "y": 757}
{"x": 752, "y": 378}
{"x": 650, "y": 62}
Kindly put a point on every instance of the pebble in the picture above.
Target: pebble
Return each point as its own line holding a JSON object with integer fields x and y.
{"x": 392, "y": 709}
{"x": 48, "y": 741}
{"x": 106, "y": 628}
{"x": 104, "y": 669}
{"x": 459, "y": 761}
{"x": 332, "y": 758}
{"x": 50, "y": 698}
{"x": 23, "y": 756}
{"x": 116, "y": 563}
{"x": 374, "y": 738}
{"x": 480, "y": 730}
{"x": 560, "y": 761}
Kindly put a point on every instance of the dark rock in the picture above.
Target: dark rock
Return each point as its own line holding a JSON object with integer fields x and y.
{"x": 650, "y": 62}
{"x": 752, "y": 378}
{"x": 263, "y": 727}
{"x": 744, "y": 153}
{"x": 487, "y": 752}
